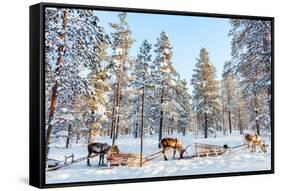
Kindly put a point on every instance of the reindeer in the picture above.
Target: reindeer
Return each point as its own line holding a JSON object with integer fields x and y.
{"x": 253, "y": 140}
{"x": 101, "y": 149}
{"x": 172, "y": 143}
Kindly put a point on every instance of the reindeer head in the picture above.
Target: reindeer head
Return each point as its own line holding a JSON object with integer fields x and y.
{"x": 263, "y": 147}
{"x": 180, "y": 148}
{"x": 113, "y": 149}
{"x": 261, "y": 143}
{"x": 181, "y": 152}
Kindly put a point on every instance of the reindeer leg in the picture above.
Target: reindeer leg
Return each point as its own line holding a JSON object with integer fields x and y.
{"x": 100, "y": 160}
{"x": 163, "y": 152}
{"x": 262, "y": 148}
{"x": 252, "y": 148}
{"x": 174, "y": 154}
{"x": 88, "y": 160}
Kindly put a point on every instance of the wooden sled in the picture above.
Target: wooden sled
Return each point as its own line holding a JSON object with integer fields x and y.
{"x": 205, "y": 150}
{"x": 127, "y": 159}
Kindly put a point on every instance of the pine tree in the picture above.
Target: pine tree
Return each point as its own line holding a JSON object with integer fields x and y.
{"x": 141, "y": 83}
{"x": 164, "y": 78}
{"x": 121, "y": 43}
{"x": 97, "y": 102}
{"x": 206, "y": 91}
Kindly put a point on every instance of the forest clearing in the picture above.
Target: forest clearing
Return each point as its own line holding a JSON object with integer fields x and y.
{"x": 242, "y": 160}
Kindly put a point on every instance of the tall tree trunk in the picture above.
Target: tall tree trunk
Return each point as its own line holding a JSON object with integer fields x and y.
{"x": 113, "y": 116}
{"x": 239, "y": 113}
{"x": 269, "y": 105}
{"x": 112, "y": 134}
{"x": 116, "y": 114}
{"x": 256, "y": 110}
{"x": 168, "y": 130}
{"x": 117, "y": 126}
{"x": 54, "y": 96}
{"x": 183, "y": 129}
{"x": 240, "y": 122}
{"x": 197, "y": 123}
{"x": 161, "y": 116}
{"x": 206, "y": 125}
{"x": 77, "y": 137}
{"x": 109, "y": 129}
{"x": 228, "y": 104}
{"x": 223, "y": 121}
{"x": 257, "y": 125}
{"x": 187, "y": 126}
{"x": 142, "y": 126}
{"x": 69, "y": 133}
{"x": 137, "y": 130}
{"x": 119, "y": 98}
{"x": 229, "y": 122}
{"x": 90, "y": 138}
{"x": 256, "y": 119}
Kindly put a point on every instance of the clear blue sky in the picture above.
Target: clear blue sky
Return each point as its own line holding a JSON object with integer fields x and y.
{"x": 187, "y": 36}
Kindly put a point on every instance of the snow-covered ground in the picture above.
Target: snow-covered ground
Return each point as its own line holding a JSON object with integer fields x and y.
{"x": 235, "y": 162}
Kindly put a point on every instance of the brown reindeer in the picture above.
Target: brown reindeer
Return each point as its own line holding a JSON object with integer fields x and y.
{"x": 254, "y": 140}
{"x": 100, "y": 149}
{"x": 172, "y": 143}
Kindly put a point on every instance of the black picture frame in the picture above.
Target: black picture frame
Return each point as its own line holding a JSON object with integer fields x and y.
{"x": 37, "y": 96}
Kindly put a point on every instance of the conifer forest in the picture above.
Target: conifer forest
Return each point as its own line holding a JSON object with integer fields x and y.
{"x": 122, "y": 87}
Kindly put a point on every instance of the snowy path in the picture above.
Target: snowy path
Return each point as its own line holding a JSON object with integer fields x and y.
{"x": 238, "y": 162}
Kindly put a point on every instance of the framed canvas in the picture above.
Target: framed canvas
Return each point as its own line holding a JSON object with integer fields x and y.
{"x": 121, "y": 95}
